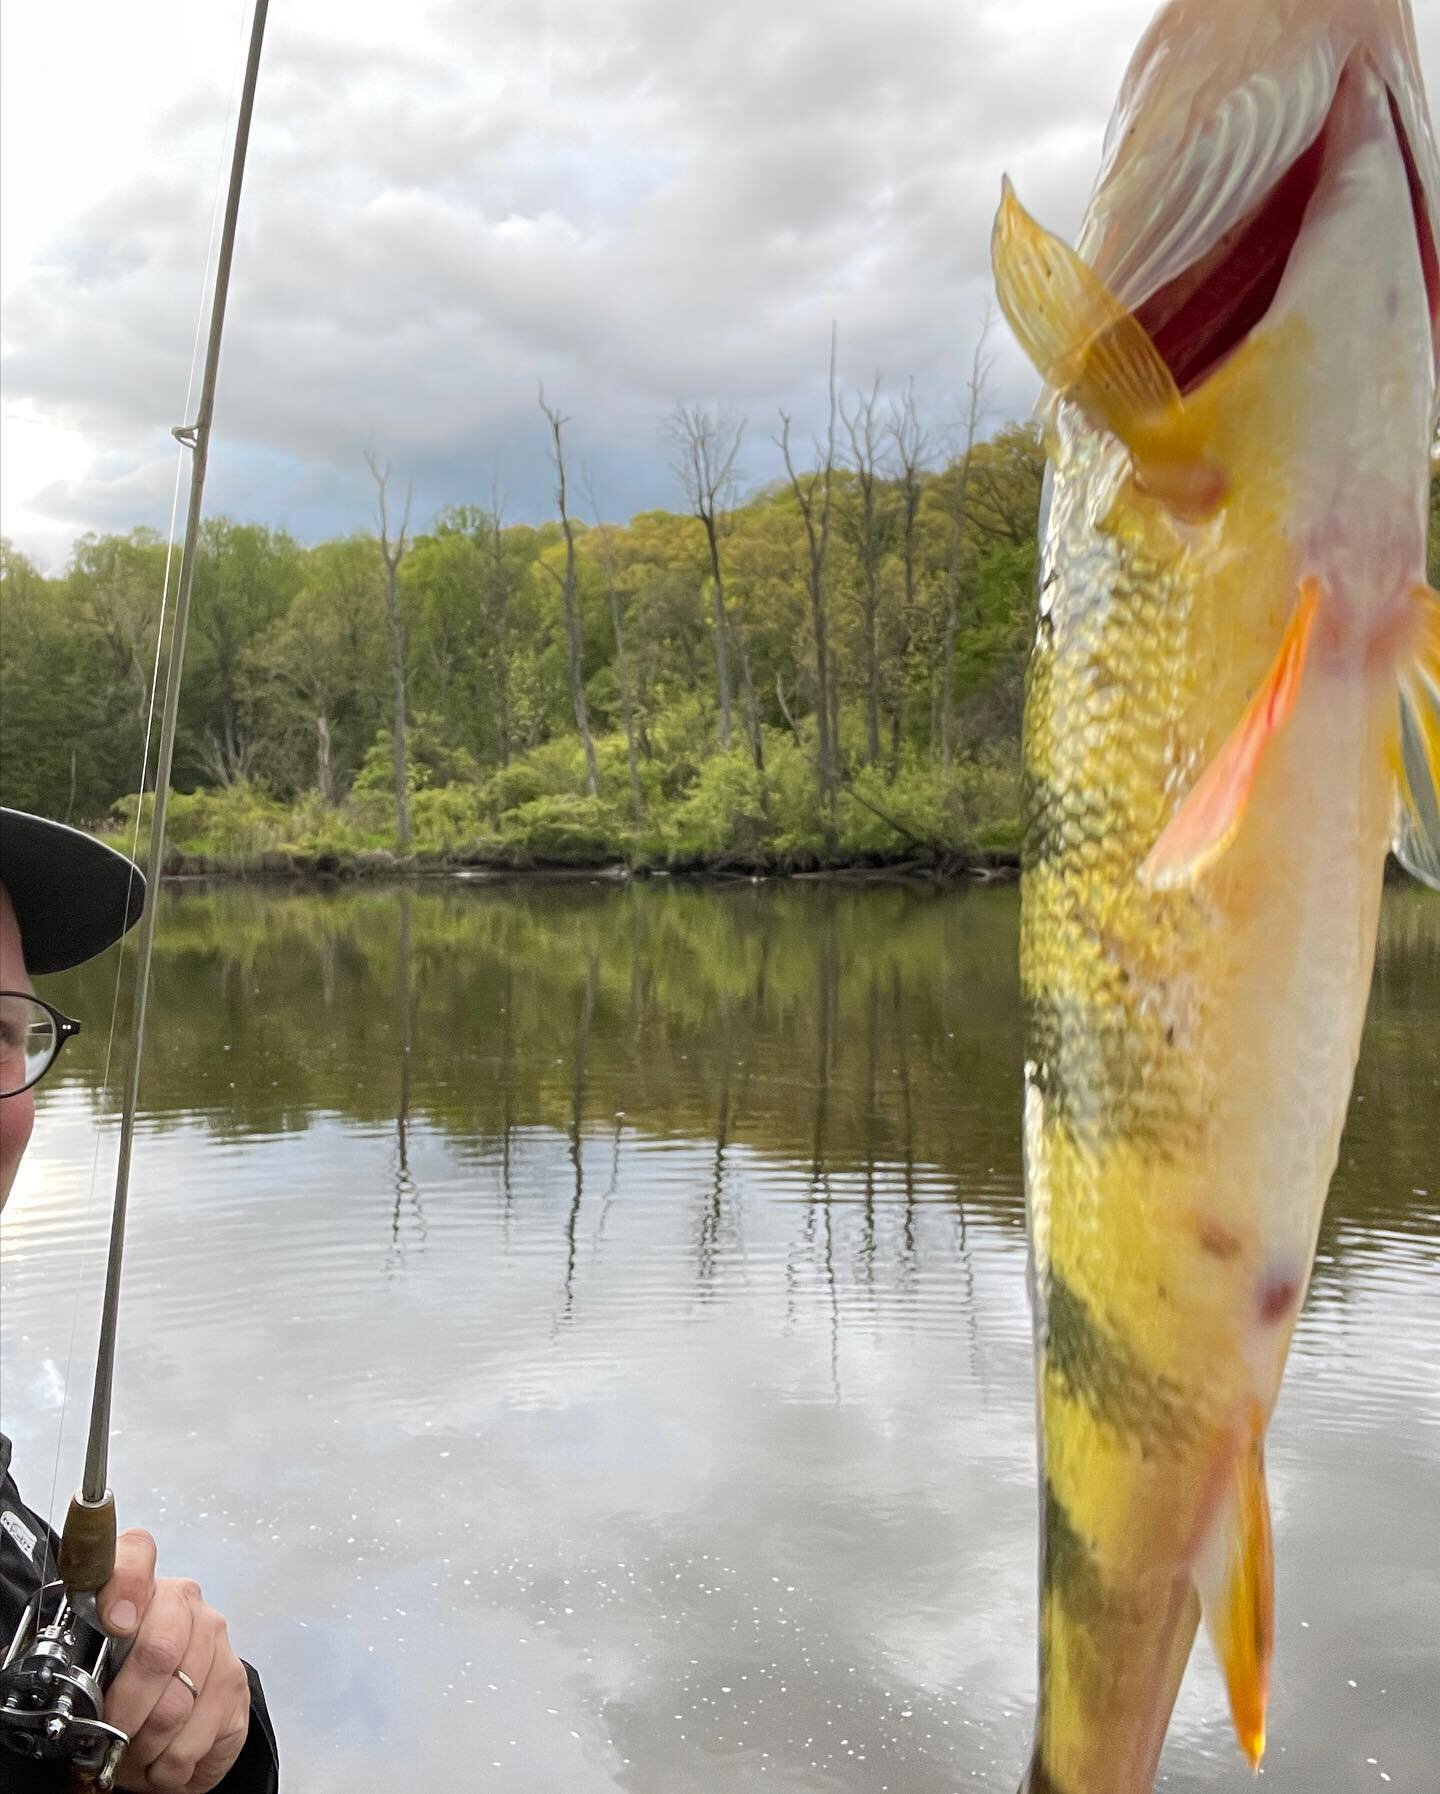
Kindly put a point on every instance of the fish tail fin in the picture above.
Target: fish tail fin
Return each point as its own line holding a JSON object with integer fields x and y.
{"x": 1208, "y": 820}
{"x": 1090, "y": 349}
{"x": 1235, "y": 1577}
{"x": 1417, "y": 827}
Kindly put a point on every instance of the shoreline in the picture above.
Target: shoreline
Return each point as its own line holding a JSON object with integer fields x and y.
{"x": 378, "y": 867}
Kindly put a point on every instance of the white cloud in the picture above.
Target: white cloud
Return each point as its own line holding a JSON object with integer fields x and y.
{"x": 636, "y": 203}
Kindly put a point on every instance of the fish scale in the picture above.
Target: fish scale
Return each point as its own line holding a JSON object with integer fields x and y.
{"x": 1111, "y": 1091}
{"x": 1104, "y": 1001}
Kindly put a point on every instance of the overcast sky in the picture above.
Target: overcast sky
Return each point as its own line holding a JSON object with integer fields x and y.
{"x": 637, "y": 202}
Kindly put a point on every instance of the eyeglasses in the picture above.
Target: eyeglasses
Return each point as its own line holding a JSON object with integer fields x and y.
{"x": 32, "y": 1033}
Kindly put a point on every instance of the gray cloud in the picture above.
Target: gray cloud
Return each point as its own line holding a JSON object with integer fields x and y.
{"x": 637, "y": 203}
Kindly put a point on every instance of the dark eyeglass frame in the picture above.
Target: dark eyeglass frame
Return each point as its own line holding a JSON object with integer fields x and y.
{"x": 65, "y": 1027}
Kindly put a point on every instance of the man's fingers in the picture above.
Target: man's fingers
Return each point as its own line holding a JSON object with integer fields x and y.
{"x": 147, "y": 1677}
{"x": 184, "y": 1736}
{"x": 174, "y": 1712}
{"x": 124, "y": 1598}
{"x": 202, "y": 1751}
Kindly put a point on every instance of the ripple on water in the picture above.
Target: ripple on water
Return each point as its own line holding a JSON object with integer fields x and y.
{"x": 635, "y": 1394}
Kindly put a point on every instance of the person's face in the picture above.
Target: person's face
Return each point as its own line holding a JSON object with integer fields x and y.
{"x": 17, "y": 1113}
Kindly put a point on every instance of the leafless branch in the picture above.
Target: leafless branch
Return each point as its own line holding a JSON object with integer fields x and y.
{"x": 393, "y": 556}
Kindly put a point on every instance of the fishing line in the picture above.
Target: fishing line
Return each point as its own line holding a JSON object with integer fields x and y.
{"x": 126, "y": 955}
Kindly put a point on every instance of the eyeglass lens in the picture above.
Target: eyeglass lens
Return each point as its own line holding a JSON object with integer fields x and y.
{"x": 29, "y": 1041}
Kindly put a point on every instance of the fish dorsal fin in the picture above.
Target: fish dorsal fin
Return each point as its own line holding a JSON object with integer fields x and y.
{"x": 1235, "y": 1579}
{"x": 1091, "y": 350}
{"x": 1208, "y": 820}
{"x": 1417, "y": 827}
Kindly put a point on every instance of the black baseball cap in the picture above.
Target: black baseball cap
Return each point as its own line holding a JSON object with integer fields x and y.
{"x": 73, "y": 896}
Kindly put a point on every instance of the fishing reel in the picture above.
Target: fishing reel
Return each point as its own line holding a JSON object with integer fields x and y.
{"x": 52, "y": 1688}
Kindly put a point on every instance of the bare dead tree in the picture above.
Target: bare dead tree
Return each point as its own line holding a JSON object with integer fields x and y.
{"x": 815, "y": 498}
{"x": 865, "y": 526}
{"x": 500, "y": 610}
{"x": 981, "y": 364}
{"x": 786, "y": 711}
{"x": 393, "y": 553}
{"x": 325, "y": 761}
{"x": 572, "y": 613}
{"x": 704, "y": 445}
{"x": 622, "y": 664}
{"x": 909, "y": 455}
{"x": 227, "y": 759}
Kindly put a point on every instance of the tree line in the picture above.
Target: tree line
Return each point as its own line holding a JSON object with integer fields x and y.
{"x": 828, "y": 667}
{"x": 825, "y": 665}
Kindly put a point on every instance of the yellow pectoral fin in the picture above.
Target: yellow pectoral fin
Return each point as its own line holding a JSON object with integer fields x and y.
{"x": 1092, "y": 350}
{"x": 1235, "y": 1579}
{"x": 1208, "y": 820}
{"x": 1417, "y": 830}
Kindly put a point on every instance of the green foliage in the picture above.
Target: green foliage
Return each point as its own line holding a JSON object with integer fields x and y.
{"x": 565, "y": 830}
{"x": 246, "y": 579}
{"x": 37, "y": 688}
{"x": 284, "y": 751}
{"x": 315, "y": 680}
{"x": 555, "y": 769}
{"x": 231, "y": 827}
{"x": 453, "y": 821}
{"x": 725, "y": 815}
{"x": 430, "y": 760}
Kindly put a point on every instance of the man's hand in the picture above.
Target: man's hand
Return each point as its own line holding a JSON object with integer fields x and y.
{"x": 180, "y": 1742}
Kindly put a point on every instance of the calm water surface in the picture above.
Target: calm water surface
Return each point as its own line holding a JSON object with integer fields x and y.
{"x": 579, "y": 1336}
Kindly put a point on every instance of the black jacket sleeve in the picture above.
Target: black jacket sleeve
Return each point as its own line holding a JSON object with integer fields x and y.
{"x": 27, "y": 1549}
{"x": 257, "y": 1769}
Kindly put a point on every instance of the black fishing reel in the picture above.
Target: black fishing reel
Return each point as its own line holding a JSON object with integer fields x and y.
{"x": 52, "y": 1688}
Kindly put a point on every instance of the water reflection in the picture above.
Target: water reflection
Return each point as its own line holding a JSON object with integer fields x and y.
{"x": 580, "y": 1333}
{"x": 408, "y": 1220}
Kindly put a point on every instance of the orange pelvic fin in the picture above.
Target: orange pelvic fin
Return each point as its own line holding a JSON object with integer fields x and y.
{"x": 1417, "y": 830}
{"x": 1210, "y": 817}
{"x": 1236, "y": 1581}
{"x": 1091, "y": 350}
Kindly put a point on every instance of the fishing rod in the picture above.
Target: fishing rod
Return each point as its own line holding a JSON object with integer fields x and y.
{"x": 61, "y": 1661}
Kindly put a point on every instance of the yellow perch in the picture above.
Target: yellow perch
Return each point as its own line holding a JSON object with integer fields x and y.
{"x": 1233, "y": 709}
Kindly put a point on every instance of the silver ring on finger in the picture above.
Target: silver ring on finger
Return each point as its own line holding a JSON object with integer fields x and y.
{"x": 180, "y": 1676}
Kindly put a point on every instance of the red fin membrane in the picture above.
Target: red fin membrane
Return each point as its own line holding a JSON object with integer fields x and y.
{"x": 1200, "y": 316}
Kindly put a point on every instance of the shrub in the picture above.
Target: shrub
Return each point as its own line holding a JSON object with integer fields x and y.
{"x": 226, "y": 827}
{"x": 723, "y": 816}
{"x": 566, "y": 830}
{"x": 801, "y": 835}
{"x": 947, "y": 811}
{"x": 452, "y": 820}
{"x": 429, "y": 760}
{"x": 554, "y": 769}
